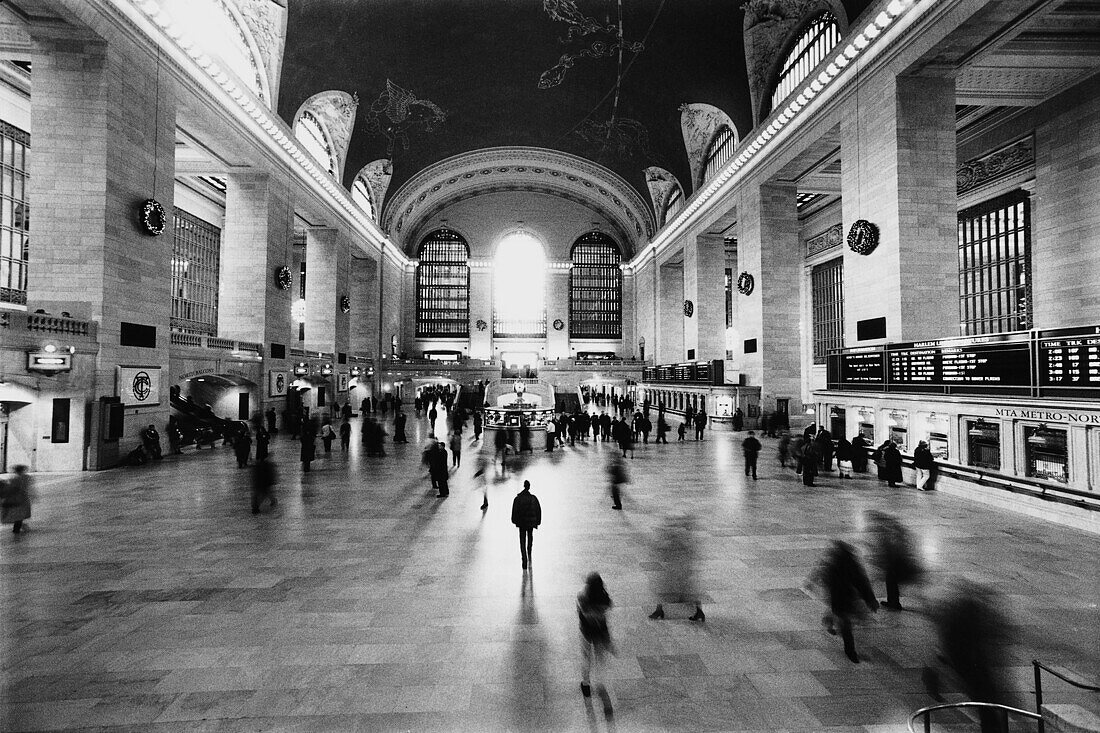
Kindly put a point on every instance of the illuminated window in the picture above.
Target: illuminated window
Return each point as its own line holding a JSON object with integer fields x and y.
{"x": 596, "y": 288}
{"x": 674, "y": 204}
{"x": 994, "y": 266}
{"x": 311, "y": 133}
{"x": 15, "y": 220}
{"x": 196, "y": 252}
{"x": 216, "y": 28}
{"x": 519, "y": 288}
{"x": 719, "y": 152}
{"x": 360, "y": 194}
{"x": 443, "y": 286}
{"x": 827, "y": 283}
{"x": 811, "y": 48}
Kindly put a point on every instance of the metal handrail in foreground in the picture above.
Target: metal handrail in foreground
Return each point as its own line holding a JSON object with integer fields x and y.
{"x": 927, "y": 712}
{"x": 1062, "y": 675}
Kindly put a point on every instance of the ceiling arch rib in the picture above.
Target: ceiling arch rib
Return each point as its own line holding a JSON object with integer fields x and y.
{"x": 518, "y": 169}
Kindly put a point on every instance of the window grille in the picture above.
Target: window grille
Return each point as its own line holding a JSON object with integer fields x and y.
{"x": 596, "y": 288}
{"x": 15, "y": 220}
{"x": 673, "y": 205}
{"x": 311, "y": 134}
{"x": 196, "y": 253}
{"x": 360, "y": 194}
{"x": 827, "y": 282}
{"x": 995, "y": 266}
{"x": 811, "y": 48}
{"x": 443, "y": 286}
{"x": 719, "y": 152}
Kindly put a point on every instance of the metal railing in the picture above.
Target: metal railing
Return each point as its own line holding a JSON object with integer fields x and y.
{"x": 927, "y": 713}
{"x": 1061, "y": 673}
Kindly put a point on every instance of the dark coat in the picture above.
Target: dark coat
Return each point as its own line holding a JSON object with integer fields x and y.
{"x": 891, "y": 459}
{"x": 526, "y": 510}
{"x": 922, "y": 458}
{"x": 15, "y": 499}
{"x": 751, "y": 446}
{"x": 845, "y": 581}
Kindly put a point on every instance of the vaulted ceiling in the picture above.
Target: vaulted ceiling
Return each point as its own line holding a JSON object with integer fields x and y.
{"x": 439, "y": 78}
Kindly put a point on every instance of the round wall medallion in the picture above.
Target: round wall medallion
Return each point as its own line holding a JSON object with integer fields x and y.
{"x": 481, "y": 325}
{"x": 283, "y": 280}
{"x": 689, "y": 308}
{"x": 345, "y": 304}
{"x": 745, "y": 283}
{"x": 153, "y": 218}
{"x": 559, "y": 324}
{"x": 863, "y": 237}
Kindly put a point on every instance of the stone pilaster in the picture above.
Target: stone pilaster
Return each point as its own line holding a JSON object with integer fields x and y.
{"x": 481, "y": 308}
{"x": 363, "y": 321}
{"x": 670, "y": 314}
{"x": 557, "y": 306}
{"x": 768, "y": 249}
{"x": 704, "y": 285}
{"x": 327, "y": 265}
{"x": 898, "y": 172}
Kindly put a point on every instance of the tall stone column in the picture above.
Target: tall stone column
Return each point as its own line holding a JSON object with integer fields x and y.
{"x": 899, "y": 156}
{"x": 704, "y": 285}
{"x": 670, "y": 313}
{"x": 104, "y": 119}
{"x": 363, "y": 320}
{"x": 255, "y": 244}
{"x": 630, "y": 339}
{"x": 481, "y": 309}
{"x": 768, "y": 249}
{"x": 557, "y": 306}
{"x": 327, "y": 264}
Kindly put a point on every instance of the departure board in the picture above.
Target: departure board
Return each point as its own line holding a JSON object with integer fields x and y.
{"x": 914, "y": 366}
{"x": 1069, "y": 358}
{"x": 862, "y": 369}
{"x": 995, "y": 362}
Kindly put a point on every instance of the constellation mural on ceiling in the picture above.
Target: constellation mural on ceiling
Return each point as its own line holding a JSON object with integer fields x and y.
{"x": 397, "y": 111}
{"x": 580, "y": 27}
{"x": 621, "y": 138}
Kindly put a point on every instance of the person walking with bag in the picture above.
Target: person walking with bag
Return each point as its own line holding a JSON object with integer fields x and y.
{"x": 527, "y": 516}
{"x": 593, "y": 603}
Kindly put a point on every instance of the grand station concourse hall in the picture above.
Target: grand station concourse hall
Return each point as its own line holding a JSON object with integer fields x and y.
{"x": 226, "y": 223}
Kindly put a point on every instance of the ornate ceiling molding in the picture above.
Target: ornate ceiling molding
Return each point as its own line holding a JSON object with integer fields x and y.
{"x": 518, "y": 169}
{"x": 266, "y": 19}
{"x": 661, "y": 184}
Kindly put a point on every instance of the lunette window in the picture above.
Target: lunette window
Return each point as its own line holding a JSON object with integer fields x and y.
{"x": 309, "y": 131}
{"x": 719, "y": 152}
{"x": 811, "y": 48}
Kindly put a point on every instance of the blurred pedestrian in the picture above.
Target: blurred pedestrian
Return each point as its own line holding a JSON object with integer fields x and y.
{"x": 859, "y": 453}
{"x": 823, "y": 446}
{"x": 263, "y": 440}
{"x": 481, "y": 471}
{"x": 925, "y": 464}
{"x": 16, "y": 495}
{"x": 399, "y": 421}
{"x": 891, "y": 458}
{"x": 675, "y": 550}
{"x": 328, "y": 434}
{"x": 700, "y": 420}
{"x": 345, "y": 432}
{"x": 662, "y": 428}
{"x": 309, "y": 450}
{"x": 809, "y": 462}
{"x": 263, "y": 483}
{"x": 456, "y": 449}
{"x": 784, "y": 449}
{"x": 242, "y": 446}
{"x": 844, "y": 583}
{"x": 972, "y": 634}
{"x": 175, "y": 436}
{"x": 616, "y": 474}
{"x": 844, "y": 457}
{"x": 593, "y": 603}
{"x": 892, "y": 553}
{"x": 527, "y": 516}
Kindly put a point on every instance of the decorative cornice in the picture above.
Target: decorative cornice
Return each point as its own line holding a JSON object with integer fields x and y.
{"x": 831, "y": 237}
{"x": 518, "y": 168}
{"x": 1010, "y": 159}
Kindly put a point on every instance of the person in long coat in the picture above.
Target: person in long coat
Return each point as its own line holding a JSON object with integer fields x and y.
{"x": 892, "y": 553}
{"x": 675, "y": 549}
{"x": 593, "y": 603}
{"x": 809, "y": 463}
{"x": 242, "y": 447}
{"x": 399, "y": 428}
{"x": 844, "y": 457}
{"x": 859, "y": 453}
{"x": 891, "y": 459}
{"x": 823, "y": 444}
{"x": 309, "y": 451}
{"x": 16, "y": 496}
{"x": 844, "y": 581}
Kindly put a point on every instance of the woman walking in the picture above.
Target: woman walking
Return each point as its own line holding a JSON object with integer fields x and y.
{"x": 593, "y": 603}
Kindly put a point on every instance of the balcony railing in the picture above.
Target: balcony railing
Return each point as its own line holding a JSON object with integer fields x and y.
{"x": 41, "y": 323}
{"x": 197, "y": 341}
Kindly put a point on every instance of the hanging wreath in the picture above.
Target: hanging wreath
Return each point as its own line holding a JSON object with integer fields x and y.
{"x": 283, "y": 280}
{"x": 153, "y": 218}
{"x": 745, "y": 283}
{"x": 863, "y": 237}
{"x": 481, "y": 325}
{"x": 345, "y": 304}
{"x": 559, "y": 324}
{"x": 689, "y": 308}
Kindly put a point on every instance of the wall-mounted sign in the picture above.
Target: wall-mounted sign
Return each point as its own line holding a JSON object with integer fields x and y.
{"x": 277, "y": 383}
{"x": 301, "y": 369}
{"x": 139, "y": 386}
{"x": 44, "y": 361}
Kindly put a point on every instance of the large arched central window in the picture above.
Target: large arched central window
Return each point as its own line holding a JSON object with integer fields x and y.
{"x": 443, "y": 286}
{"x": 596, "y": 289}
{"x": 519, "y": 288}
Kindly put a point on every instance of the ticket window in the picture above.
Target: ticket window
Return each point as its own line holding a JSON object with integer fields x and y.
{"x": 838, "y": 422}
{"x": 867, "y": 430}
{"x": 983, "y": 444}
{"x": 933, "y": 427}
{"x": 937, "y": 444}
{"x": 897, "y": 428}
{"x": 1046, "y": 453}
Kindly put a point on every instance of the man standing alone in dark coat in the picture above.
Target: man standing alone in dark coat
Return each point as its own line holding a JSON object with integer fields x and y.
{"x": 527, "y": 515}
{"x": 751, "y": 447}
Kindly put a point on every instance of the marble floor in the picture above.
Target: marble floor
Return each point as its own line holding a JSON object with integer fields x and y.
{"x": 151, "y": 599}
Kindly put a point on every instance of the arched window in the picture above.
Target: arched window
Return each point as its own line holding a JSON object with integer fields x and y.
{"x": 519, "y": 288}
{"x": 673, "y": 205}
{"x": 360, "y": 194}
{"x": 217, "y": 27}
{"x": 311, "y": 133}
{"x": 719, "y": 152}
{"x": 443, "y": 286}
{"x": 813, "y": 45}
{"x": 596, "y": 288}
